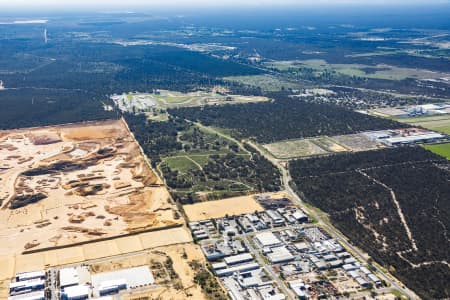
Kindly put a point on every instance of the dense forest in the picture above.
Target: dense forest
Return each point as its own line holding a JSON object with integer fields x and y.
{"x": 31, "y": 107}
{"x": 283, "y": 119}
{"x": 355, "y": 190}
{"x": 70, "y": 81}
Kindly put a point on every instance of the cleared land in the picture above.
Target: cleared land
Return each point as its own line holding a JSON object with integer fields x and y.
{"x": 76, "y": 254}
{"x": 304, "y": 147}
{"x": 163, "y": 99}
{"x": 441, "y": 149}
{"x": 357, "y": 142}
{"x": 436, "y": 123}
{"x": 77, "y": 183}
{"x": 294, "y": 148}
{"x": 220, "y": 208}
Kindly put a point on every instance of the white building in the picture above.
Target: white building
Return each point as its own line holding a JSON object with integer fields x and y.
{"x": 76, "y": 292}
{"x": 68, "y": 277}
{"x": 113, "y": 282}
{"x": 267, "y": 239}
{"x": 39, "y": 295}
{"x": 237, "y": 259}
{"x": 280, "y": 255}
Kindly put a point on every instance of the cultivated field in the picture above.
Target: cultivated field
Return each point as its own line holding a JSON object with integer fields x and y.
{"x": 221, "y": 208}
{"x": 70, "y": 184}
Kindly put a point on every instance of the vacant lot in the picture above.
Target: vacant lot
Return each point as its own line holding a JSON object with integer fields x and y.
{"x": 63, "y": 185}
{"x": 304, "y": 147}
{"x": 294, "y": 148}
{"x": 441, "y": 149}
{"x": 436, "y": 123}
{"x": 221, "y": 208}
{"x": 357, "y": 142}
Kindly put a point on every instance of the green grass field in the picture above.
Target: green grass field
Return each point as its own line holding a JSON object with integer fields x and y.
{"x": 182, "y": 164}
{"x": 200, "y": 159}
{"x": 440, "y": 149}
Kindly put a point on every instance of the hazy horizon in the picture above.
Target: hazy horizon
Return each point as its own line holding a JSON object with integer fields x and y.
{"x": 118, "y": 4}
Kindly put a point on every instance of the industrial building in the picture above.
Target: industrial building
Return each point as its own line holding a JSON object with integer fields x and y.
{"x": 68, "y": 277}
{"x": 110, "y": 283}
{"x": 39, "y": 295}
{"x": 407, "y": 136}
{"x": 76, "y": 292}
{"x": 30, "y": 275}
{"x": 26, "y": 286}
{"x": 237, "y": 259}
{"x": 279, "y": 255}
{"x": 237, "y": 269}
{"x": 267, "y": 239}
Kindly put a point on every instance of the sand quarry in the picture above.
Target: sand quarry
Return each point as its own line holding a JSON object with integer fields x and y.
{"x": 69, "y": 184}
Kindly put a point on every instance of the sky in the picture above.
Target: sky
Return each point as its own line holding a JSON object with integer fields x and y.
{"x": 202, "y": 3}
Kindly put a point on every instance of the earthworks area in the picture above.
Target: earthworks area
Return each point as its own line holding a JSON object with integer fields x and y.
{"x": 81, "y": 182}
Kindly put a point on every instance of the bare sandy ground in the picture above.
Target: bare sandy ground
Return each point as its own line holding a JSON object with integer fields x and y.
{"x": 11, "y": 264}
{"x": 221, "y": 208}
{"x": 94, "y": 181}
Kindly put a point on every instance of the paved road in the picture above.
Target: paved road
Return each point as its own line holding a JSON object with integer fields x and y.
{"x": 286, "y": 291}
{"x": 286, "y": 179}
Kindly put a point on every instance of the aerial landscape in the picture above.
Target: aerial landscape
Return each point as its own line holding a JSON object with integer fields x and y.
{"x": 236, "y": 150}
